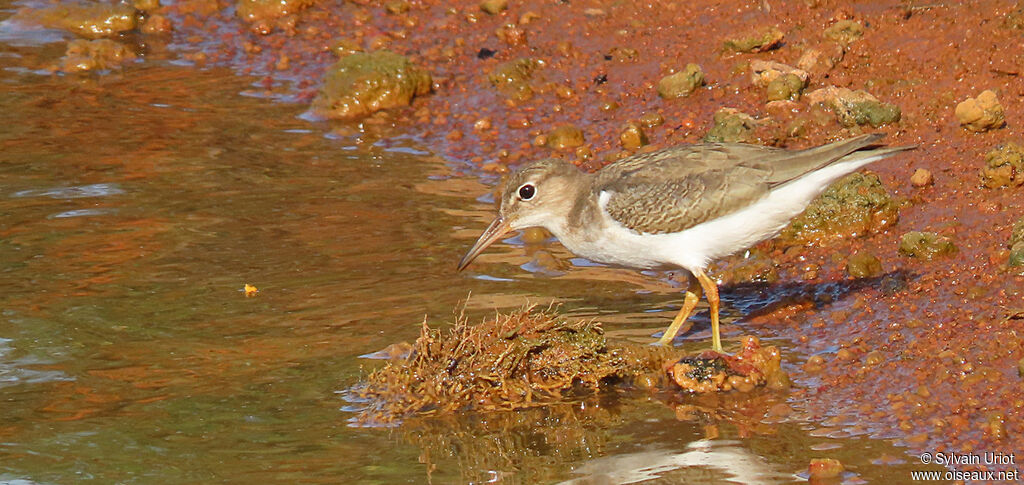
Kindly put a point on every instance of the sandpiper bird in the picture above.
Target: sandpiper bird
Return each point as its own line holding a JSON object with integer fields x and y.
{"x": 680, "y": 207}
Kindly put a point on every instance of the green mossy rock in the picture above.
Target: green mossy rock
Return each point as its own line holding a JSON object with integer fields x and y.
{"x": 363, "y": 83}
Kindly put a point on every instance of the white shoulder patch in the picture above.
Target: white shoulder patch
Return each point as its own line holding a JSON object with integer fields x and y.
{"x": 603, "y": 198}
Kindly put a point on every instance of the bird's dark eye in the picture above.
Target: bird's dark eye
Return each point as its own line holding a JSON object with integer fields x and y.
{"x": 526, "y": 191}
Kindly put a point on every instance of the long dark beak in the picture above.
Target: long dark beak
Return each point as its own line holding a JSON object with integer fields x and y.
{"x": 493, "y": 232}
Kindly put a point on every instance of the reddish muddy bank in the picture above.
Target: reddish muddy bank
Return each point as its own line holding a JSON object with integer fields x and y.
{"x": 930, "y": 352}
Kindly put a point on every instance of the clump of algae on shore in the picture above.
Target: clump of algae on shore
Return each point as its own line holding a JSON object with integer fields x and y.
{"x": 522, "y": 359}
{"x": 534, "y": 357}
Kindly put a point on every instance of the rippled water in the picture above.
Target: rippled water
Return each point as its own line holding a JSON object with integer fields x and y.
{"x": 134, "y": 206}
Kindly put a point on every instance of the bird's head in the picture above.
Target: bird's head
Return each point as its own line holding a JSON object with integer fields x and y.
{"x": 539, "y": 194}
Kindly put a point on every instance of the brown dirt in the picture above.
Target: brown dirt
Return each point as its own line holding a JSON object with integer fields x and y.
{"x": 944, "y": 341}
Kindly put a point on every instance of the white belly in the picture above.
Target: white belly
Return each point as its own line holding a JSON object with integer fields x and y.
{"x": 694, "y": 248}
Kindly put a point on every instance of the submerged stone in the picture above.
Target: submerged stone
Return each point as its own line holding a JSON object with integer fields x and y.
{"x": 512, "y": 78}
{"x": 853, "y": 206}
{"x": 1004, "y": 167}
{"x": 92, "y": 21}
{"x": 565, "y": 137}
{"x": 682, "y": 83}
{"x": 926, "y": 245}
{"x": 92, "y": 55}
{"x": 362, "y": 83}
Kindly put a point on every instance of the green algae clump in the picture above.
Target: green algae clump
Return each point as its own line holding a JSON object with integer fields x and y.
{"x": 1004, "y": 167}
{"x": 682, "y": 83}
{"x": 92, "y": 21}
{"x": 853, "y": 206}
{"x": 785, "y": 87}
{"x": 732, "y": 126}
{"x": 853, "y": 108}
{"x": 864, "y": 265}
{"x": 1017, "y": 246}
{"x": 844, "y": 32}
{"x": 926, "y": 245}
{"x": 363, "y": 83}
{"x": 519, "y": 360}
{"x": 512, "y": 79}
{"x": 763, "y": 40}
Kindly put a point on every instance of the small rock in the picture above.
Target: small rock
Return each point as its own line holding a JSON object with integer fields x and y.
{"x": 921, "y": 178}
{"x": 632, "y": 136}
{"x": 763, "y": 40}
{"x": 820, "y": 60}
{"x": 732, "y": 126}
{"x": 682, "y": 83}
{"x": 494, "y": 7}
{"x": 821, "y": 468}
{"x": 864, "y": 265}
{"x": 982, "y": 113}
{"x": 157, "y": 24}
{"x": 396, "y": 7}
{"x": 844, "y": 32}
{"x": 762, "y": 73}
{"x": 535, "y": 235}
{"x": 926, "y": 245}
{"x": 565, "y": 137}
{"x": 854, "y": 108}
{"x": 1004, "y": 167}
{"x": 256, "y": 11}
{"x": 1016, "y": 259}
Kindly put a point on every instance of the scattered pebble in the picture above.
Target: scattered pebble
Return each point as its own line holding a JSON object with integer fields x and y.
{"x": 494, "y": 7}
{"x": 632, "y": 136}
{"x": 682, "y": 83}
{"x": 982, "y": 113}
{"x": 922, "y": 178}
{"x": 565, "y": 137}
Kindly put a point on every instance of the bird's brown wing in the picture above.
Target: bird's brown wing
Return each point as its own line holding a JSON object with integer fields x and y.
{"x": 677, "y": 188}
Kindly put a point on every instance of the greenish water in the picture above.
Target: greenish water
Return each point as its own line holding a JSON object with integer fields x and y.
{"x": 134, "y": 206}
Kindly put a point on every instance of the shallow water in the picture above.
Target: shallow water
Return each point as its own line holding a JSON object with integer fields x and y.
{"x": 134, "y": 206}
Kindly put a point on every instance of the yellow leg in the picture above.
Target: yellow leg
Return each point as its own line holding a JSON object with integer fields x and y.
{"x": 689, "y": 303}
{"x": 711, "y": 290}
